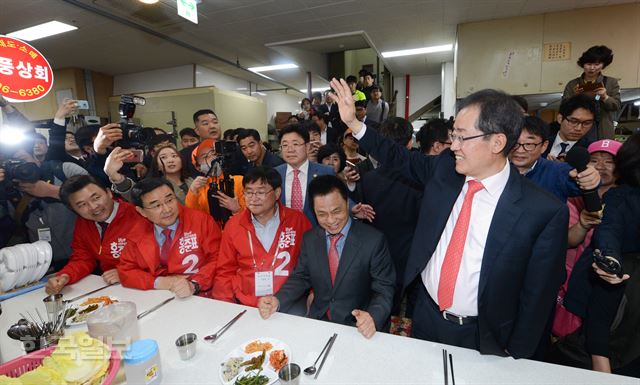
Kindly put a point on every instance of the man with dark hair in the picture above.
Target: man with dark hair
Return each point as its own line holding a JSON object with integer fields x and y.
{"x": 100, "y": 231}
{"x": 434, "y": 136}
{"x": 377, "y": 109}
{"x": 522, "y": 102}
{"x": 260, "y": 245}
{"x": 345, "y": 263}
{"x": 558, "y": 178}
{"x": 489, "y": 245}
{"x": 361, "y": 115}
{"x": 175, "y": 248}
{"x": 368, "y": 86}
{"x": 352, "y": 81}
{"x": 254, "y": 151}
{"x": 297, "y": 171}
{"x": 327, "y": 134}
{"x": 188, "y": 137}
{"x": 576, "y": 118}
{"x": 315, "y": 138}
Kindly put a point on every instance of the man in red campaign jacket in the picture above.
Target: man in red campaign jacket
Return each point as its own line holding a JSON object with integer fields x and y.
{"x": 99, "y": 233}
{"x": 175, "y": 249}
{"x": 260, "y": 245}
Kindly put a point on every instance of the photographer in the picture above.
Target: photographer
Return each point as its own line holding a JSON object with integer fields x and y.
{"x": 108, "y": 135}
{"x": 37, "y": 189}
{"x": 215, "y": 193}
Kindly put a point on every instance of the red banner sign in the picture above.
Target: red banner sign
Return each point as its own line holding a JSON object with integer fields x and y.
{"x": 25, "y": 75}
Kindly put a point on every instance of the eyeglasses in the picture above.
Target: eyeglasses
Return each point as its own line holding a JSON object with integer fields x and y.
{"x": 166, "y": 202}
{"x": 573, "y": 122}
{"x": 444, "y": 142}
{"x": 257, "y": 194}
{"x": 294, "y": 145}
{"x": 461, "y": 139}
{"x": 527, "y": 146}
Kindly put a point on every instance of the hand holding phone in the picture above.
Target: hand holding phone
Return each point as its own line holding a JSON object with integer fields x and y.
{"x": 138, "y": 156}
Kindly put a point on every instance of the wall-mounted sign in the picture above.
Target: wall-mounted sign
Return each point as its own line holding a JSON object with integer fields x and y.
{"x": 25, "y": 75}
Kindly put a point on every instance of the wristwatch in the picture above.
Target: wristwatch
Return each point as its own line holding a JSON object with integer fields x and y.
{"x": 196, "y": 287}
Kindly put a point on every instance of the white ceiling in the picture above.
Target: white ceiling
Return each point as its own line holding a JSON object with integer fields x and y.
{"x": 250, "y": 32}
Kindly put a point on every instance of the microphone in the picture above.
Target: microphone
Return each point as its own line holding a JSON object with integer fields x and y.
{"x": 578, "y": 158}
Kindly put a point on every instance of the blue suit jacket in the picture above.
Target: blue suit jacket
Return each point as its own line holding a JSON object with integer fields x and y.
{"x": 315, "y": 170}
{"x": 523, "y": 261}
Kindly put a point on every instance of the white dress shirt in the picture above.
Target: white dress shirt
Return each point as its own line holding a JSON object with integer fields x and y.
{"x": 556, "y": 148}
{"x": 465, "y": 296}
{"x": 114, "y": 211}
{"x": 288, "y": 182}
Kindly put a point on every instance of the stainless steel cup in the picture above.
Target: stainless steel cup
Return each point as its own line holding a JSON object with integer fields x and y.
{"x": 186, "y": 345}
{"x": 53, "y": 303}
{"x": 289, "y": 374}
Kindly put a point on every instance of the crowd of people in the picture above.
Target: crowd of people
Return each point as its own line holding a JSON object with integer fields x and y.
{"x": 499, "y": 232}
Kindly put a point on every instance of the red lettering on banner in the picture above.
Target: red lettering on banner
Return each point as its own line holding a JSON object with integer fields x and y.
{"x": 25, "y": 75}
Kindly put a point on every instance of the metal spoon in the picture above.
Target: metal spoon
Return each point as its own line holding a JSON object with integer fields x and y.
{"x": 311, "y": 370}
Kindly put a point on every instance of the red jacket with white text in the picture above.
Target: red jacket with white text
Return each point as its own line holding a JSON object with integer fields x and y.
{"x": 88, "y": 249}
{"x": 194, "y": 252}
{"x": 235, "y": 274}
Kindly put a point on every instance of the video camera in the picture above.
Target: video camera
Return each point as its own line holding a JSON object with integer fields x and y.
{"x": 222, "y": 163}
{"x": 133, "y": 136}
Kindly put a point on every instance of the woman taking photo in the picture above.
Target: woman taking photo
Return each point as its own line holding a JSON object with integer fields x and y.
{"x": 167, "y": 163}
{"x": 604, "y": 89}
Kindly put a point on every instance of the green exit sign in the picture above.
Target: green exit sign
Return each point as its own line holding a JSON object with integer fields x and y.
{"x": 188, "y": 10}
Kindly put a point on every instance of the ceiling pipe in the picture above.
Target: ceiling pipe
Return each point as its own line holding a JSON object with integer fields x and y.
{"x": 162, "y": 36}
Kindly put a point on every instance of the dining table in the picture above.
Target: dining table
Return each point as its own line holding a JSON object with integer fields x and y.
{"x": 353, "y": 359}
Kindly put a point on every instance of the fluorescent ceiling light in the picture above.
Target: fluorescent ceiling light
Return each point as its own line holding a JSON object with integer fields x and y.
{"x": 321, "y": 89}
{"x": 148, "y": 1}
{"x": 42, "y": 30}
{"x": 418, "y": 51}
{"x": 636, "y": 103}
{"x": 287, "y": 66}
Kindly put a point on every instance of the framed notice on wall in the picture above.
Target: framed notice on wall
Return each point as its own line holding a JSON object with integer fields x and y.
{"x": 557, "y": 51}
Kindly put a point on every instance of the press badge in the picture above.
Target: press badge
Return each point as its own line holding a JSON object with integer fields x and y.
{"x": 264, "y": 283}
{"x": 44, "y": 234}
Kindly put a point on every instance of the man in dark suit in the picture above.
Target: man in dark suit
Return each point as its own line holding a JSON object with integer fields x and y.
{"x": 298, "y": 171}
{"x": 489, "y": 275}
{"x": 253, "y": 150}
{"x": 346, "y": 263}
{"x": 397, "y": 203}
{"x": 574, "y": 126}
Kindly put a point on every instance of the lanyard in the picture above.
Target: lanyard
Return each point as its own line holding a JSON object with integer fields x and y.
{"x": 273, "y": 263}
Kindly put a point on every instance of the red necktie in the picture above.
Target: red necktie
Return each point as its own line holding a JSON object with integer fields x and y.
{"x": 296, "y": 192}
{"x": 334, "y": 259}
{"x": 166, "y": 247}
{"x": 334, "y": 256}
{"x": 453, "y": 255}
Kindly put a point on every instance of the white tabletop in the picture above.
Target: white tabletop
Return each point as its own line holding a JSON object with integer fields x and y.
{"x": 384, "y": 359}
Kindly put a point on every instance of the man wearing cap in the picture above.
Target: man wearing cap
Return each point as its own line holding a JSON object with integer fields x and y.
{"x": 220, "y": 205}
{"x": 207, "y": 126}
{"x": 377, "y": 109}
{"x": 558, "y": 178}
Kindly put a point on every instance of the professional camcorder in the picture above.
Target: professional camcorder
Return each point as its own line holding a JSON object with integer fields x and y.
{"x": 133, "y": 136}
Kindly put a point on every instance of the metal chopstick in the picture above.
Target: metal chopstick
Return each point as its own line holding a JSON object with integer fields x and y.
{"x": 89, "y": 293}
{"x": 444, "y": 363}
{"x": 453, "y": 379}
{"x": 335, "y": 335}
{"x": 223, "y": 329}
{"x": 166, "y": 301}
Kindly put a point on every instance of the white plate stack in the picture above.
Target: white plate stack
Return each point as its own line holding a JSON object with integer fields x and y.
{"x": 23, "y": 264}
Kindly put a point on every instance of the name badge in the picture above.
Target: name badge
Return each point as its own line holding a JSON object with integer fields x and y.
{"x": 44, "y": 234}
{"x": 264, "y": 283}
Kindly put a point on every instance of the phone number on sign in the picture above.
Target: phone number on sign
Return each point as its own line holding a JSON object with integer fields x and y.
{"x": 37, "y": 90}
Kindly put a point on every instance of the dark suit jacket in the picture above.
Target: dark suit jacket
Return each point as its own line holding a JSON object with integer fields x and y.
{"x": 365, "y": 278}
{"x": 585, "y": 141}
{"x": 337, "y": 126}
{"x": 315, "y": 169}
{"x": 523, "y": 261}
